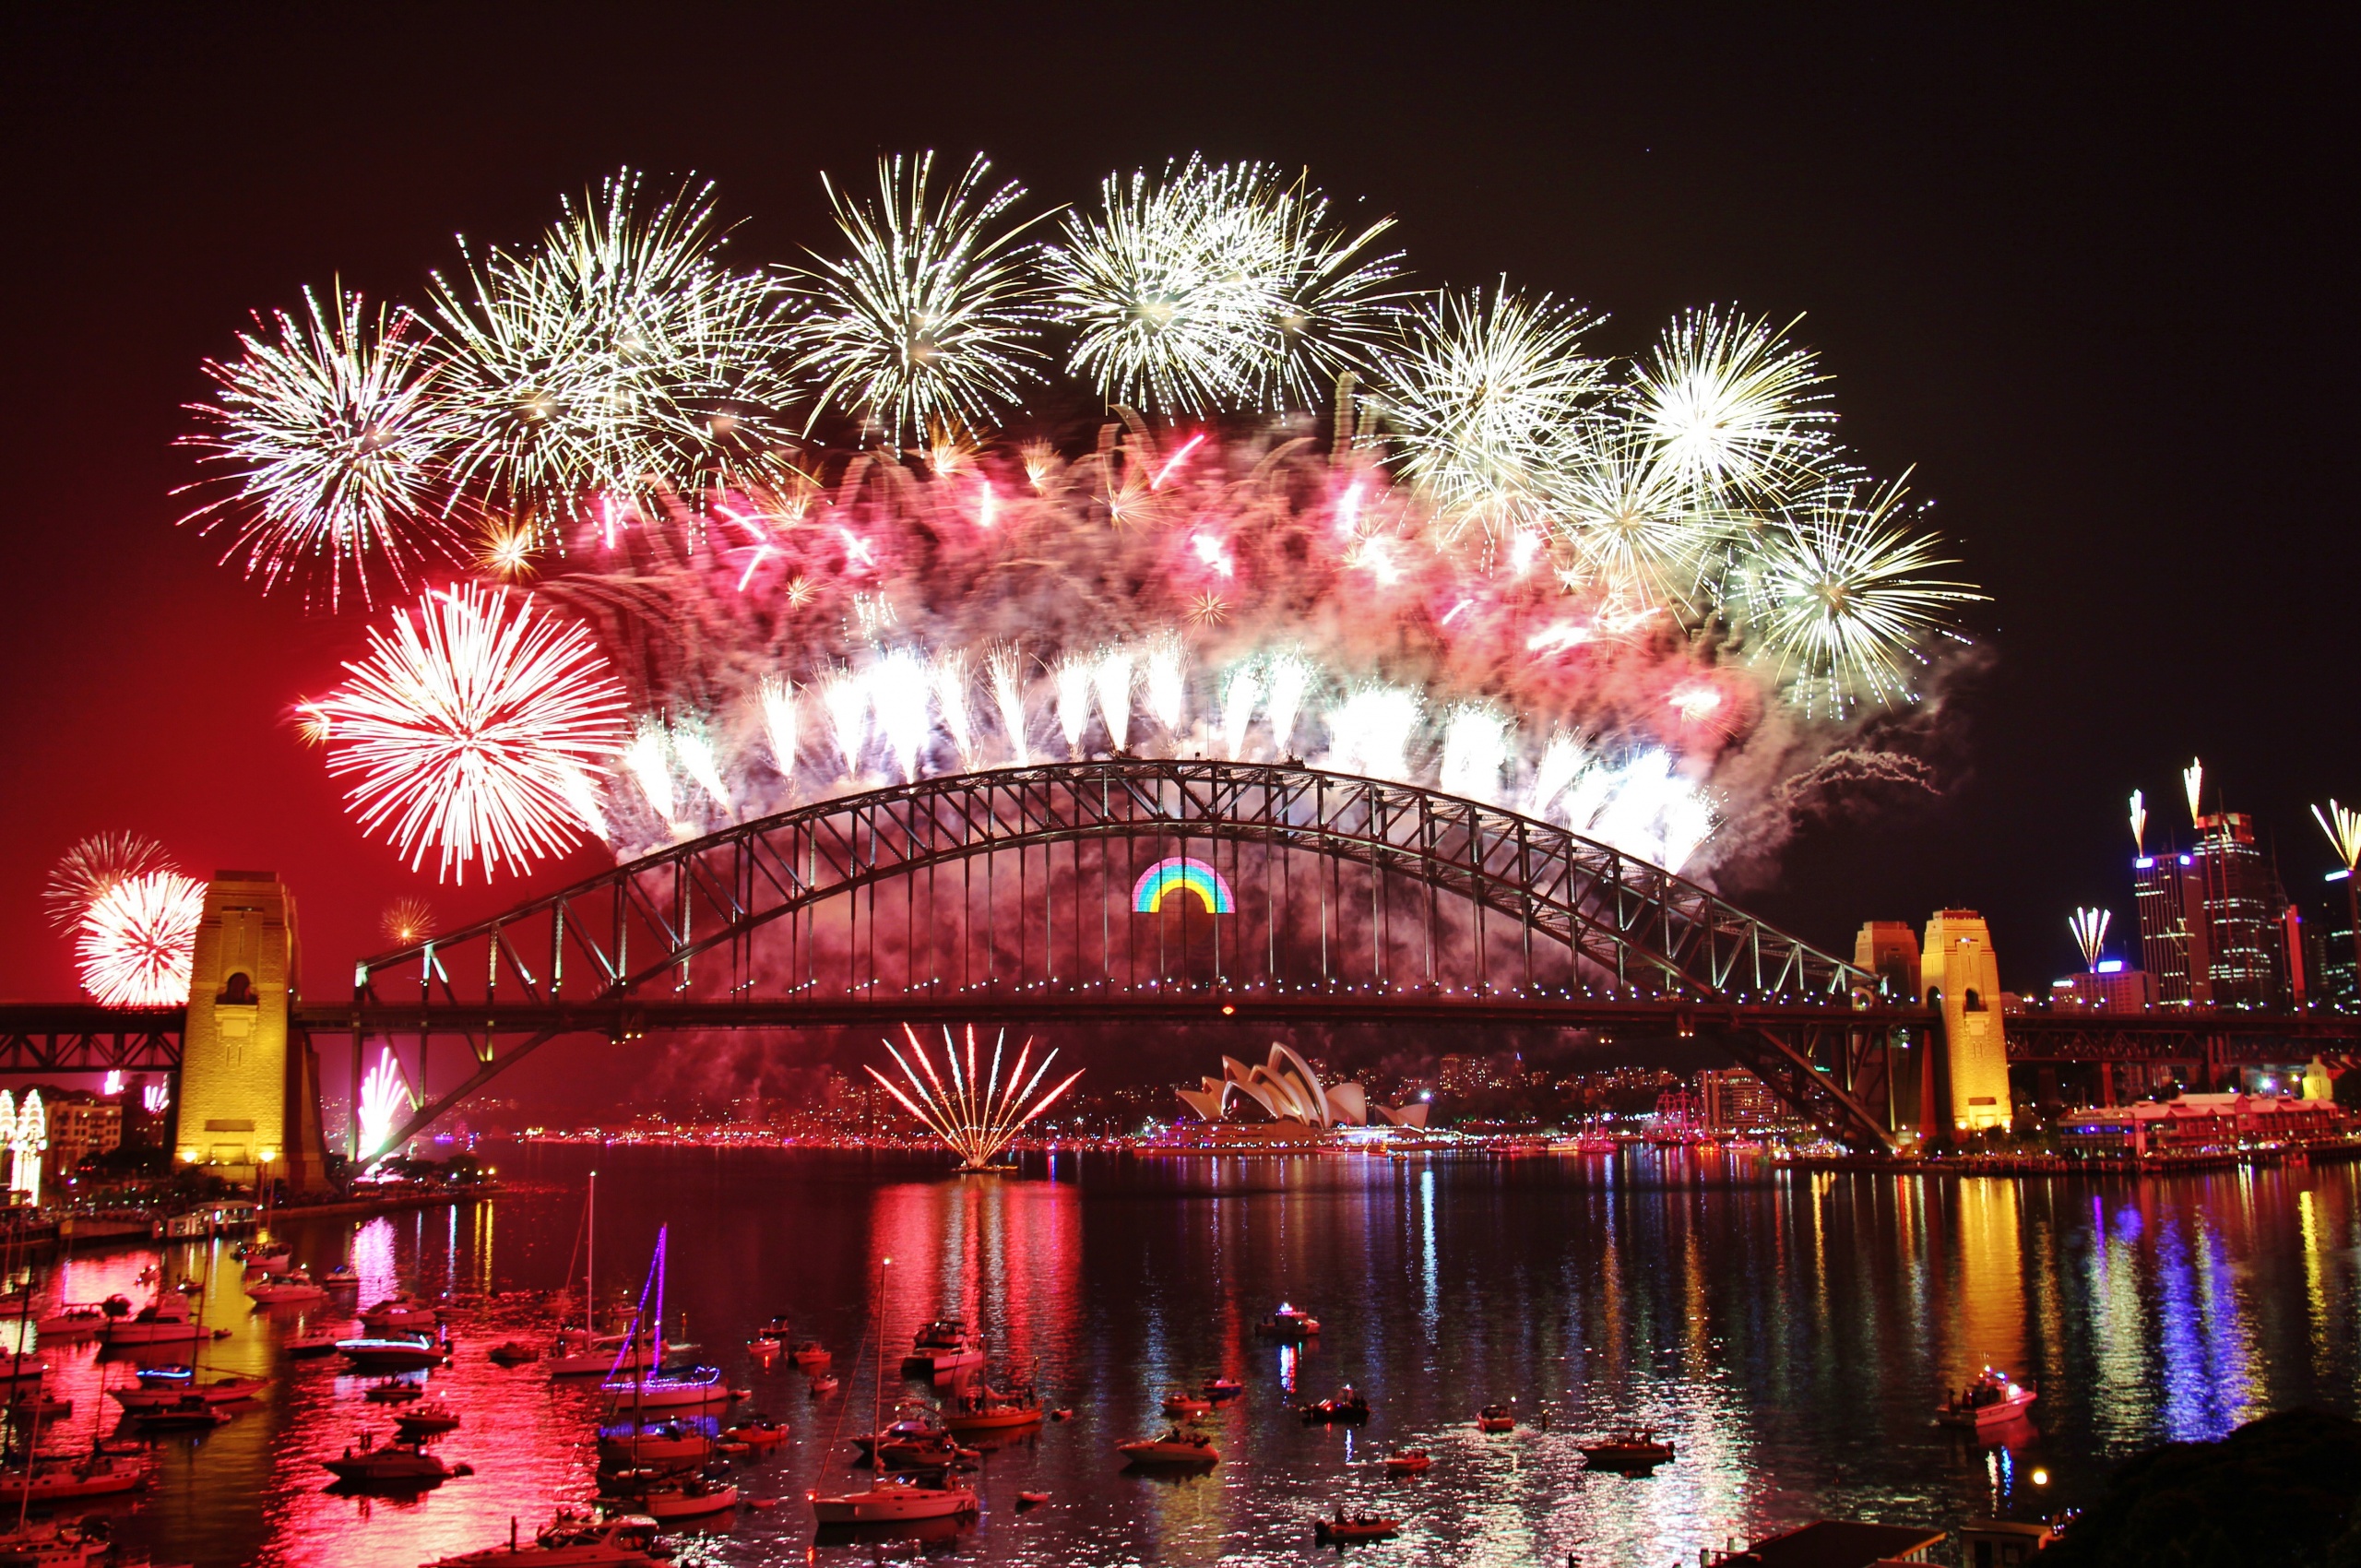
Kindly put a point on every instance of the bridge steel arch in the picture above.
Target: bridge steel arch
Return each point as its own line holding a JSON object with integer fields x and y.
{"x": 1593, "y": 937}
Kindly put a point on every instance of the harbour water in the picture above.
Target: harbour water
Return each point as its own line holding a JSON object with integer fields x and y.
{"x": 1790, "y": 1334}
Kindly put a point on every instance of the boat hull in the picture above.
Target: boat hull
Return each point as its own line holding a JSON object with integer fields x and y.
{"x": 893, "y": 1505}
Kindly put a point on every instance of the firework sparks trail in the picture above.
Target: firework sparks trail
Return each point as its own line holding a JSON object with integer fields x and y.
{"x": 385, "y": 1096}
{"x": 1474, "y": 749}
{"x": 1004, "y": 666}
{"x": 1237, "y": 700}
{"x": 778, "y": 698}
{"x": 693, "y": 748}
{"x": 2193, "y": 783}
{"x": 2343, "y": 825}
{"x": 1509, "y": 520}
{"x": 649, "y": 759}
{"x": 94, "y": 867}
{"x": 138, "y": 941}
{"x": 845, "y": 694}
{"x": 2089, "y": 927}
{"x": 973, "y": 1112}
{"x": 900, "y": 687}
{"x": 2138, "y": 823}
{"x": 463, "y": 725}
{"x": 953, "y": 677}
{"x": 1291, "y": 680}
{"x": 1074, "y": 677}
{"x": 1167, "y": 682}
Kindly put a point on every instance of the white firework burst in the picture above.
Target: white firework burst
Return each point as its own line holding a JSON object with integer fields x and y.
{"x": 972, "y": 1109}
{"x": 338, "y": 444}
{"x": 137, "y": 941}
{"x": 933, "y": 321}
{"x": 94, "y": 867}
{"x": 1485, "y": 393}
{"x": 1840, "y": 601}
{"x": 1728, "y": 400}
{"x": 467, "y": 727}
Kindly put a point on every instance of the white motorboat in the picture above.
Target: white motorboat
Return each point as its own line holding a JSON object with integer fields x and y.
{"x": 341, "y": 1275}
{"x": 627, "y": 1540}
{"x": 944, "y": 1347}
{"x": 1174, "y": 1448}
{"x": 688, "y": 1498}
{"x": 285, "y": 1289}
{"x": 312, "y": 1342}
{"x": 894, "y": 1499}
{"x": 1180, "y": 1402}
{"x": 1993, "y": 1399}
{"x": 667, "y": 1442}
{"x": 164, "y": 1320}
{"x": 579, "y": 1353}
{"x": 404, "y": 1311}
{"x": 672, "y": 1387}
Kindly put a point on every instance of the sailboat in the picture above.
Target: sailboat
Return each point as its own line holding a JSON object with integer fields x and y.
{"x": 891, "y": 1499}
{"x": 669, "y": 1385}
{"x": 586, "y": 1352}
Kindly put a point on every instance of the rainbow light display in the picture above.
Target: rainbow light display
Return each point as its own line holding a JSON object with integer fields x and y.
{"x": 1177, "y": 874}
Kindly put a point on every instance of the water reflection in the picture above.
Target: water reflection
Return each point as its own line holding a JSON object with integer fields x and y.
{"x": 1791, "y": 1336}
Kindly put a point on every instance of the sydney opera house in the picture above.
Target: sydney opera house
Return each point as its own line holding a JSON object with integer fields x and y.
{"x": 1288, "y": 1092}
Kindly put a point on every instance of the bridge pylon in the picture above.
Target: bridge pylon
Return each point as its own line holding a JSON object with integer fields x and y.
{"x": 249, "y": 1093}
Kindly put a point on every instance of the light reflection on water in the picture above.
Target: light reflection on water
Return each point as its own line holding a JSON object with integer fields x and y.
{"x": 1791, "y": 1336}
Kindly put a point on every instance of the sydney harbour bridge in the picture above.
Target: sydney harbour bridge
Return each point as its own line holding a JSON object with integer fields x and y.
{"x": 1113, "y": 892}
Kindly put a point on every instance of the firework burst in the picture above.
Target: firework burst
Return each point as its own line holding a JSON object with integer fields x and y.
{"x": 974, "y": 1111}
{"x": 466, "y": 727}
{"x": 94, "y": 867}
{"x": 384, "y": 1095}
{"x": 2089, "y": 927}
{"x": 338, "y": 444}
{"x": 1842, "y": 605}
{"x": 406, "y": 922}
{"x": 2343, "y": 825}
{"x": 138, "y": 941}
{"x": 1728, "y": 401}
{"x": 933, "y": 321}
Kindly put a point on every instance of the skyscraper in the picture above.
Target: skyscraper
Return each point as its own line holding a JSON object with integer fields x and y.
{"x": 2170, "y": 894}
{"x": 2245, "y": 949}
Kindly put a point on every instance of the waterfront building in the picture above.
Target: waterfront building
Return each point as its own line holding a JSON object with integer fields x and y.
{"x": 2200, "y": 1121}
{"x": 1732, "y": 1099}
{"x": 80, "y": 1125}
{"x": 1288, "y": 1090}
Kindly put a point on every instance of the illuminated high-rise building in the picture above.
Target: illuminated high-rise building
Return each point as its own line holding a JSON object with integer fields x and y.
{"x": 2245, "y": 949}
{"x": 2170, "y": 894}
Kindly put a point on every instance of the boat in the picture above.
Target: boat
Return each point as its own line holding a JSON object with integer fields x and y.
{"x": 892, "y": 1499}
{"x": 914, "y": 1443}
{"x": 220, "y": 1390}
{"x": 666, "y": 1443}
{"x": 396, "y": 1464}
{"x": 1629, "y": 1448}
{"x": 1288, "y": 1324}
{"x": 74, "y": 1320}
{"x": 809, "y": 1355}
{"x": 993, "y": 1409}
{"x": 285, "y": 1289}
{"x": 1180, "y": 1402}
{"x": 776, "y": 1328}
{"x": 404, "y": 1312}
{"x": 691, "y": 1497}
{"x": 1031, "y": 1499}
{"x": 426, "y": 1420}
{"x": 312, "y": 1342}
{"x": 48, "y": 1544}
{"x": 189, "y": 1410}
{"x": 340, "y": 1275}
{"x": 1407, "y": 1462}
{"x": 757, "y": 1433}
{"x": 1359, "y": 1527}
{"x": 762, "y": 1348}
{"x": 823, "y": 1385}
{"x": 1220, "y": 1388}
{"x": 579, "y": 1353}
{"x": 673, "y": 1387}
{"x": 624, "y": 1540}
{"x": 394, "y": 1391}
{"x": 1496, "y": 1417}
{"x": 392, "y": 1352}
{"x": 944, "y": 1346}
{"x": 164, "y": 1320}
{"x": 512, "y": 1353}
{"x": 268, "y": 1256}
{"x": 1174, "y": 1448}
{"x": 38, "y": 1404}
{"x": 1349, "y": 1405}
{"x": 1991, "y": 1400}
{"x": 166, "y": 1374}
{"x": 99, "y": 1476}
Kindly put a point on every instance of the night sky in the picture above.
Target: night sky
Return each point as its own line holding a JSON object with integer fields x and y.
{"x": 2094, "y": 282}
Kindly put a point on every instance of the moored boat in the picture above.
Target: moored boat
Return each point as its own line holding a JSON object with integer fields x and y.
{"x": 1220, "y": 1388}
{"x": 1175, "y": 1449}
{"x": 1407, "y": 1462}
{"x": 392, "y": 1351}
{"x": 891, "y": 1499}
{"x": 666, "y": 1443}
{"x": 312, "y": 1342}
{"x": 691, "y": 1497}
{"x": 944, "y": 1346}
{"x": 403, "y": 1312}
{"x": 394, "y": 1465}
{"x": 285, "y": 1289}
{"x": 1358, "y": 1527}
{"x": 99, "y": 1476}
{"x": 225, "y": 1390}
{"x": 512, "y": 1353}
{"x": 187, "y": 1411}
{"x": 1347, "y": 1404}
{"x": 571, "y": 1541}
{"x": 1182, "y": 1403}
{"x": 1496, "y": 1417}
{"x": 164, "y": 1320}
{"x": 993, "y": 1409}
{"x": 1629, "y": 1448}
{"x": 426, "y": 1420}
{"x": 756, "y": 1432}
{"x": 74, "y": 1320}
{"x": 1288, "y": 1323}
{"x": 669, "y": 1387}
